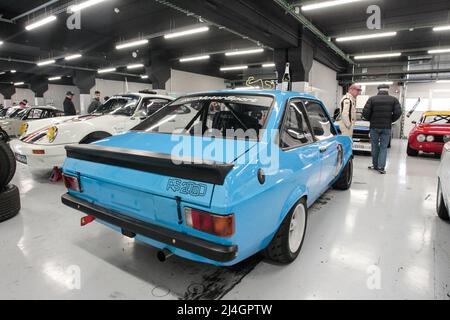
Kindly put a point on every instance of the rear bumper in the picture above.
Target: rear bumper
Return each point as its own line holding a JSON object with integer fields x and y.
{"x": 54, "y": 156}
{"x": 201, "y": 247}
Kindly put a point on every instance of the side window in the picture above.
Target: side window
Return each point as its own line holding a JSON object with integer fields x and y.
{"x": 320, "y": 122}
{"x": 151, "y": 105}
{"x": 35, "y": 114}
{"x": 295, "y": 131}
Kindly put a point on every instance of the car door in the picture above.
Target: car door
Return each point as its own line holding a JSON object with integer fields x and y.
{"x": 300, "y": 155}
{"x": 326, "y": 141}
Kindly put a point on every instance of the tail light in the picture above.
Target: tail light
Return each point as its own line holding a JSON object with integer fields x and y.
{"x": 72, "y": 182}
{"x": 86, "y": 220}
{"x": 222, "y": 226}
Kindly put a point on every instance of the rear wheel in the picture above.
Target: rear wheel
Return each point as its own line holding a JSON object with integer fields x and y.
{"x": 345, "y": 180}
{"x": 288, "y": 241}
{"x": 9, "y": 202}
{"x": 442, "y": 210}
{"x": 7, "y": 164}
{"x": 412, "y": 152}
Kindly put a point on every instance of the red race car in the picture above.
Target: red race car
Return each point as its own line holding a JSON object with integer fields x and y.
{"x": 430, "y": 134}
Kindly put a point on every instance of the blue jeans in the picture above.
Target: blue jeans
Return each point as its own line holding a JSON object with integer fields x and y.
{"x": 380, "y": 142}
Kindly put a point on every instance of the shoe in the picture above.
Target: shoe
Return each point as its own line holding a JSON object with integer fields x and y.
{"x": 373, "y": 168}
{"x": 382, "y": 171}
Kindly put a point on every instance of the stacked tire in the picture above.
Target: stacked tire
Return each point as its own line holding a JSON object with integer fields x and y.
{"x": 9, "y": 194}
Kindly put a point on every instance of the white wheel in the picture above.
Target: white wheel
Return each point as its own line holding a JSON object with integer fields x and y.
{"x": 297, "y": 228}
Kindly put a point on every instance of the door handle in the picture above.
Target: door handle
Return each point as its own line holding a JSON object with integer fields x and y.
{"x": 323, "y": 149}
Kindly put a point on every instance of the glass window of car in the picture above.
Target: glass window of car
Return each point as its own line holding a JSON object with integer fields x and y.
{"x": 35, "y": 114}
{"x": 119, "y": 105}
{"x": 295, "y": 131}
{"x": 439, "y": 119}
{"x": 151, "y": 105}
{"x": 320, "y": 122}
{"x": 241, "y": 116}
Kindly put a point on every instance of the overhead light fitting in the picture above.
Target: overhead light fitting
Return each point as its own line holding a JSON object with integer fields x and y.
{"x": 135, "y": 66}
{"x": 13, "y": 71}
{"x": 73, "y": 57}
{"x": 327, "y": 4}
{"x": 378, "y": 83}
{"x": 40, "y": 23}
{"x": 54, "y": 78}
{"x": 244, "y": 52}
{"x": 132, "y": 44}
{"x": 438, "y": 51}
{"x": 233, "y": 68}
{"x": 199, "y": 58}
{"x": 107, "y": 70}
{"x": 45, "y": 63}
{"x": 19, "y": 84}
{"x": 186, "y": 33}
{"x": 144, "y": 76}
{"x": 378, "y": 56}
{"x": 1, "y": 43}
{"x": 84, "y": 5}
{"x": 269, "y": 65}
{"x": 441, "y": 28}
{"x": 367, "y": 36}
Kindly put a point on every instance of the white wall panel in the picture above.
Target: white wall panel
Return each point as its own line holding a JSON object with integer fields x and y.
{"x": 182, "y": 82}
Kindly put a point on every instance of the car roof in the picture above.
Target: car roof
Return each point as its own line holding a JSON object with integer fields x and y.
{"x": 275, "y": 93}
{"x": 45, "y": 108}
{"x": 143, "y": 95}
{"x": 436, "y": 113}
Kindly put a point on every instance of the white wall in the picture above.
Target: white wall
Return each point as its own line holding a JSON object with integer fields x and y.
{"x": 23, "y": 94}
{"x": 56, "y": 94}
{"x": 110, "y": 88}
{"x": 182, "y": 82}
{"x": 324, "y": 85}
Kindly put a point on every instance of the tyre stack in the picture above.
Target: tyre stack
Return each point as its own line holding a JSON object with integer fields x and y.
{"x": 9, "y": 194}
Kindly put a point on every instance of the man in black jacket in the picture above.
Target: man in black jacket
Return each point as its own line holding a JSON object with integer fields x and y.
{"x": 69, "y": 107}
{"x": 381, "y": 110}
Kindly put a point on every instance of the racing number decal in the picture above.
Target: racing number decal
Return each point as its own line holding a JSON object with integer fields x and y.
{"x": 340, "y": 159}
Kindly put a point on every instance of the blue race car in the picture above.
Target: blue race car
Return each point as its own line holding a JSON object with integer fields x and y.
{"x": 214, "y": 177}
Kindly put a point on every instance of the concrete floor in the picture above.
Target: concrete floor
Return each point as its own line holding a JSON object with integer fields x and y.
{"x": 381, "y": 240}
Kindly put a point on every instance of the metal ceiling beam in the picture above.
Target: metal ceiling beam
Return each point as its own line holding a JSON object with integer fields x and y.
{"x": 304, "y": 21}
{"x": 43, "y": 6}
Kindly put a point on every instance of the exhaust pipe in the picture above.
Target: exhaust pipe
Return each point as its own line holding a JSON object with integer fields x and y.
{"x": 163, "y": 255}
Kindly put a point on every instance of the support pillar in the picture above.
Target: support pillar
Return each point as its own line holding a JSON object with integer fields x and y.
{"x": 85, "y": 81}
{"x": 7, "y": 90}
{"x": 39, "y": 85}
{"x": 159, "y": 70}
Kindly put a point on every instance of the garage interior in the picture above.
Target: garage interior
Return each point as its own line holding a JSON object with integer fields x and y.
{"x": 380, "y": 240}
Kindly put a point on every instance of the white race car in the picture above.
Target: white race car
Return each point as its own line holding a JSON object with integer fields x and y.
{"x": 43, "y": 145}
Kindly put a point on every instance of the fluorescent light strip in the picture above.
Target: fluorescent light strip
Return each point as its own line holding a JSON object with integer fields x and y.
{"x": 243, "y": 52}
{"x": 13, "y": 71}
{"x": 442, "y": 81}
{"x": 441, "y": 28}
{"x": 377, "y": 56}
{"x": 45, "y": 63}
{"x": 54, "y": 78}
{"x": 40, "y": 23}
{"x": 84, "y": 5}
{"x": 186, "y": 33}
{"x": 19, "y": 84}
{"x": 268, "y": 65}
{"x": 437, "y": 51}
{"x": 327, "y": 4}
{"x": 73, "y": 57}
{"x": 144, "y": 76}
{"x": 375, "y": 83}
{"x": 367, "y": 36}
{"x": 107, "y": 70}
{"x": 199, "y": 58}
{"x": 135, "y": 66}
{"x": 1, "y": 43}
{"x": 132, "y": 44}
{"x": 233, "y": 68}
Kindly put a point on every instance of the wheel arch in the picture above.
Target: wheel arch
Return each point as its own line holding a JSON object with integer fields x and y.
{"x": 95, "y": 136}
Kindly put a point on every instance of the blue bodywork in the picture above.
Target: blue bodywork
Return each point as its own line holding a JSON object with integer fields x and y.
{"x": 259, "y": 209}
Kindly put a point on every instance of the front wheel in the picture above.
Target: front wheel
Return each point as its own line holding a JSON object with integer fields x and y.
{"x": 288, "y": 241}
{"x": 345, "y": 180}
{"x": 442, "y": 210}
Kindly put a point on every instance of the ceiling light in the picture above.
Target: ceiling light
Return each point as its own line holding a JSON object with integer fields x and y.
{"x": 441, "y": 28}
{"x": 13, "y": 71}
{"x": 199, "y": 58}
{"x": 437, "y": 51}
{"x": 186, "y": 33}
{"x": 233, "y": 68}
{"x": 40, "y": 23}
{"x": 132, "y": 44}
{"x": 242, "y": 52}
{"x": 135, "y": 66}
{"x": 144, "y": 76}
{"x": 268, "y": 65}
{"x": 106, "y": 70}
{"x": 85, "y": 5}
{"x": 2, "y": 73}
{"x": 1, "y": 43}
{"x": 367, "y": 36}
{"x": 327, "y": 4}
{"x": 45, "y": 63}
{"x": 375, "y": 83}
{"x": 19, "y": 84}
{"x": 54, "y": 78}
{"x": 376, "y": 56}
{"x": 73, "y": 57}
{"x": 443, "y": 81}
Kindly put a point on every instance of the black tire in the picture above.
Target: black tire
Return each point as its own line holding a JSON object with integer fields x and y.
{"x": 3, "y": 135}
{"x": 345, "y": 180}
{"x": 412, "y": 152}
{"x": 442, "y": 210}
{"x": 279, "y": 248}
{"x": 9, "y": 202}
{"x": 8, "y": 164}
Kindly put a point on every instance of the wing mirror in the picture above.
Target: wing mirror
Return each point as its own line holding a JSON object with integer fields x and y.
{"x": 414, "y": 122}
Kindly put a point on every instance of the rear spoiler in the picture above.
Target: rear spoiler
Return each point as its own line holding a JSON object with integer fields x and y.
{"x": 158, "y": 163}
